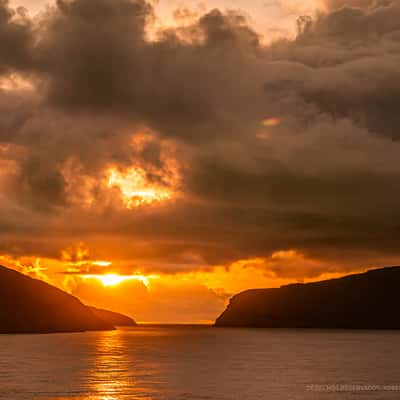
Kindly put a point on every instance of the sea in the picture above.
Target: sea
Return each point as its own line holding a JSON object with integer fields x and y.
{"x": 152, "y": 362}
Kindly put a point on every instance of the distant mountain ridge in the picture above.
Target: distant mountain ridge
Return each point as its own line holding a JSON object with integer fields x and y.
{"x": 368, "y": 300}
{"x": 29, "y": 305}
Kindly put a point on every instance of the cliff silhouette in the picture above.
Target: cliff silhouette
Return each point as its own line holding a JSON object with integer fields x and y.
{"x": 114, "y": 318}
{"x": 362, "y": 301}
{"x": 32, "y": 306}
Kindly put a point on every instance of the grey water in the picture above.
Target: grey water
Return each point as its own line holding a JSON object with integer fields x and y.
{"x": 201, "y": 362}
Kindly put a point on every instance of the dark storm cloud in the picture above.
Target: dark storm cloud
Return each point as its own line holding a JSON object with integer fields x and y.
{"x": 335, "y": 4}
{"x": 15, "y": 38}
{"x": 364, "y": 4}
{"x": 353, "y": 56}
{"x": 322, "y": 178}
{"x": 92, "y": 54}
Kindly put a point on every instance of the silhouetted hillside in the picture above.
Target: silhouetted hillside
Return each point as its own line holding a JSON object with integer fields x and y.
{"x": 115, "y": 319}
{"x": 364, "y": 301}
{"x": 31, "y": 306}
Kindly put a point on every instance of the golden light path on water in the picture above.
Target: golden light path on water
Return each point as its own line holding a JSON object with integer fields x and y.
{"x": 109, "y": 378}
{"x": 114, "y": 375}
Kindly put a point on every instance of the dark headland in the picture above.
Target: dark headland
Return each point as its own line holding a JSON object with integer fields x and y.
{"x": 369, "y": 300}
{"x": 114, "y": 318}
{"x": 32, "y": 306}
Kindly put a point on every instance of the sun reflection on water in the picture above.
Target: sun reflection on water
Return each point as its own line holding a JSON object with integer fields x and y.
{"x": 109, "y": 378}
{"x": 114, "y": 375}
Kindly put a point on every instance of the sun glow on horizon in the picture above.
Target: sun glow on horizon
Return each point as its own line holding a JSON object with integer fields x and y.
{"x": 109, "y": 280}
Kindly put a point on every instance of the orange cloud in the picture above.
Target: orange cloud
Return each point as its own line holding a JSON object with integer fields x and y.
{"x": 166, "y": 300}
{"x": 26, "y": 265}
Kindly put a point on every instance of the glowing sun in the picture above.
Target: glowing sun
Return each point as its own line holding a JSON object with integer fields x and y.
{"x": 109, "y": 280}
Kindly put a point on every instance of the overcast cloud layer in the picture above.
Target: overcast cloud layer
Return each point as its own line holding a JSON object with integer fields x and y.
{"x": 293, "y": 145}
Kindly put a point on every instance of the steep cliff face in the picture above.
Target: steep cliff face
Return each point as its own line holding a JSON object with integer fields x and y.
{"x": 113, "y": 318}
{"x": 31, "y": 306}
{"x": 363, "y": 301}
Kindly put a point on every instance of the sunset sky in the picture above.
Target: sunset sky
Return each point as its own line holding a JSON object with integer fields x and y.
{"x": 158, "y": 157}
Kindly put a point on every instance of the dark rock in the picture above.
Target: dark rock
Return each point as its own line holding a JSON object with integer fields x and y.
{"x": 113, "y": 318}
{"x": 32, "y": 306}
{"x": 363, "y": 301}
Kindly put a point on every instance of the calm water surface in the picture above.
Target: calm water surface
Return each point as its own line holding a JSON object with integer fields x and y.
{"x": 177, "y": 363}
